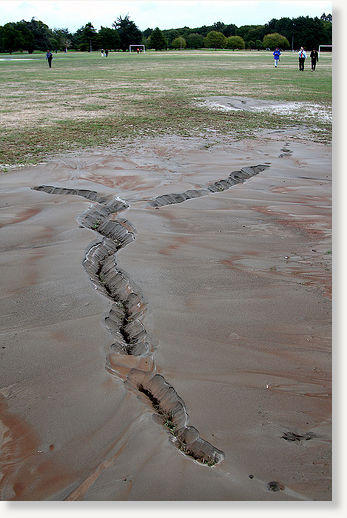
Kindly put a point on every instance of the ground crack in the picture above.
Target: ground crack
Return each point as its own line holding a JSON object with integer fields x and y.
{"x": 131, "y": 356}
{"x": 221, "y": 185}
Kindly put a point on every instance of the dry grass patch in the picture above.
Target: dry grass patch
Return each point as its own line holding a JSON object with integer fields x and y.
{"x": 85, "y": 100}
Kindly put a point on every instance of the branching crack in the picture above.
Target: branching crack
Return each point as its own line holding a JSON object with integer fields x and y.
{"x": 124, "y": 320}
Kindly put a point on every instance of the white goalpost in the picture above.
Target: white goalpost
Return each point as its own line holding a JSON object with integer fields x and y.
{"x": 323, "y": 46}
{"x": 135, "y": 47}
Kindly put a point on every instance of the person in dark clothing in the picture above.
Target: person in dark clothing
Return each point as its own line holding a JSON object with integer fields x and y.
{"x": 314, "y": 59}
{"x": 106, "y": 53}
{"x": 49, "y": 57}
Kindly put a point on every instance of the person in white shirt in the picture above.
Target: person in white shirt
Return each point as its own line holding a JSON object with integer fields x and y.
{"x": 302, "y": 57}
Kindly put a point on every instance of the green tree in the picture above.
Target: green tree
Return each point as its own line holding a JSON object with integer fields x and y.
{"x": 324, "y": 35}
{"x": 256, "y": 32}
{"x": 258, "y": 44}
{"x": 195, "y": 41}
{"x": 37, "y": 35}
{"x": 179, "y": 43}
{"x": 128, "y": 32}
{"x": 230, "y": 30}
{"x": 28, "y": 36}
{"x": 108, "y": 38}
{"x": 170, "y": 35}
{"x": 227, "y": 30}
{"x": 147, "y": 42}
{"x": 326, "y": 17}
{"x": 215, "y": 40}
{"x": 302, "y": 31}
{"x": 11, "y": 38}
{"x": 251, "y": 32}
{"x": 202, "y": 30}
{"x": 86, "y": 38}
{"x": 63, "y": 39}
{"x": 184, "y": 31}
{"x": 274, "y": 40}
{"x": 42, "y": 34}
{"x": 157, "y": 40}
{"x": 235, "y": 42}
{"x": 219, "y": 27}
{"x": 315, "y": 32}
{"x": 147, "y": 32}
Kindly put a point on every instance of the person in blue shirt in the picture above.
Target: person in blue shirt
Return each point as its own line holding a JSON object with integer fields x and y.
{"x": 49, "y": 57}
{"x": 276, "y": 55}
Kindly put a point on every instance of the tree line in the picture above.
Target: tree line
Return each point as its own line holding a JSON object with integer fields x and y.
{"x": 284, "y": 33}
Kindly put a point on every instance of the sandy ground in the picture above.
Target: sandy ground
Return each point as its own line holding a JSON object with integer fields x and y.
{"x": 237, "y": 293}
{"x": 308, "y": 111}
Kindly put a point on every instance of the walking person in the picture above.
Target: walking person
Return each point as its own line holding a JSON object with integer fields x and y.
{"x": 276, "y": 55}
{"x": 49, "y": 57}
{"x": 302, "y": 57}
{"x": 314, "y": 59}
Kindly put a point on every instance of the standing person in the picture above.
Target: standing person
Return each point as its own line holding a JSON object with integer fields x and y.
{"x": 49, "y": 57}
{"x": 276, "y": 55}
{"x": 106, "y": 53}
{"x": 102, "y": 53}
{"x": 302, "y": 57}
{"x": 314, "y": 59}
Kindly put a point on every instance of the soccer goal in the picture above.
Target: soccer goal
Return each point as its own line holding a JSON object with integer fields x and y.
{"x": 330, "y": 47}
{"x": 135, "y": 48}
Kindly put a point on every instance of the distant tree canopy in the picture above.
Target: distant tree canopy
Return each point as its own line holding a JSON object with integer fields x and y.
{"x": 128, "y": 32}
{"x": 195, "y": 41}
{"x": 36, "y": 35}
{"x": 42, "y": 34}
{"x": 302, "y": 31}
{"x": 326, "y": 17}
{"x": 86, "y": 38}
{"x": 251, "y": 32}
{"x": 11, "y": 37}
{"x": 62, "y": 39}
{"x": 235, "y": 42}
{"x": 109, "y": 38}
{"x": 274, "y": 40}
{"x": 179, "y": 43}
{"x": 157, "y": 40}
{"x": 227, "y": 30}
{"x": 30, "y": 36}
{"x": 215, "y": 40}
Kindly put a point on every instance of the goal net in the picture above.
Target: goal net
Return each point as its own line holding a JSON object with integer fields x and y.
{"x": 328, "y": 48}
{"x": 137, "y": 48}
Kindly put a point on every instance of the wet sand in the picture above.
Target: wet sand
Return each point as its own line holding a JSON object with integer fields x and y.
{"x": 234, "y": 294}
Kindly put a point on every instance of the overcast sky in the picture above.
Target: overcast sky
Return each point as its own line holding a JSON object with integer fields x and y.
{"x": 165, "y": 14}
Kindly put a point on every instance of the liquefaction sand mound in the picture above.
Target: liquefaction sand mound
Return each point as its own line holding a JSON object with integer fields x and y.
{"x": 306, "y": 110}
{"x": 166, "y": 323}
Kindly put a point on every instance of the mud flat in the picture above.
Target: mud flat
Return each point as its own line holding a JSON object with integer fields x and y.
{"x": 166, "y": 322}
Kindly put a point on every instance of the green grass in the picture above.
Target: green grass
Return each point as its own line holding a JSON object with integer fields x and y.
{"x": 86, "y": 100}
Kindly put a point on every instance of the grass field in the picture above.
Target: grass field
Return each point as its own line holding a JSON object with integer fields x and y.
{"x": 86, "y": 100}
